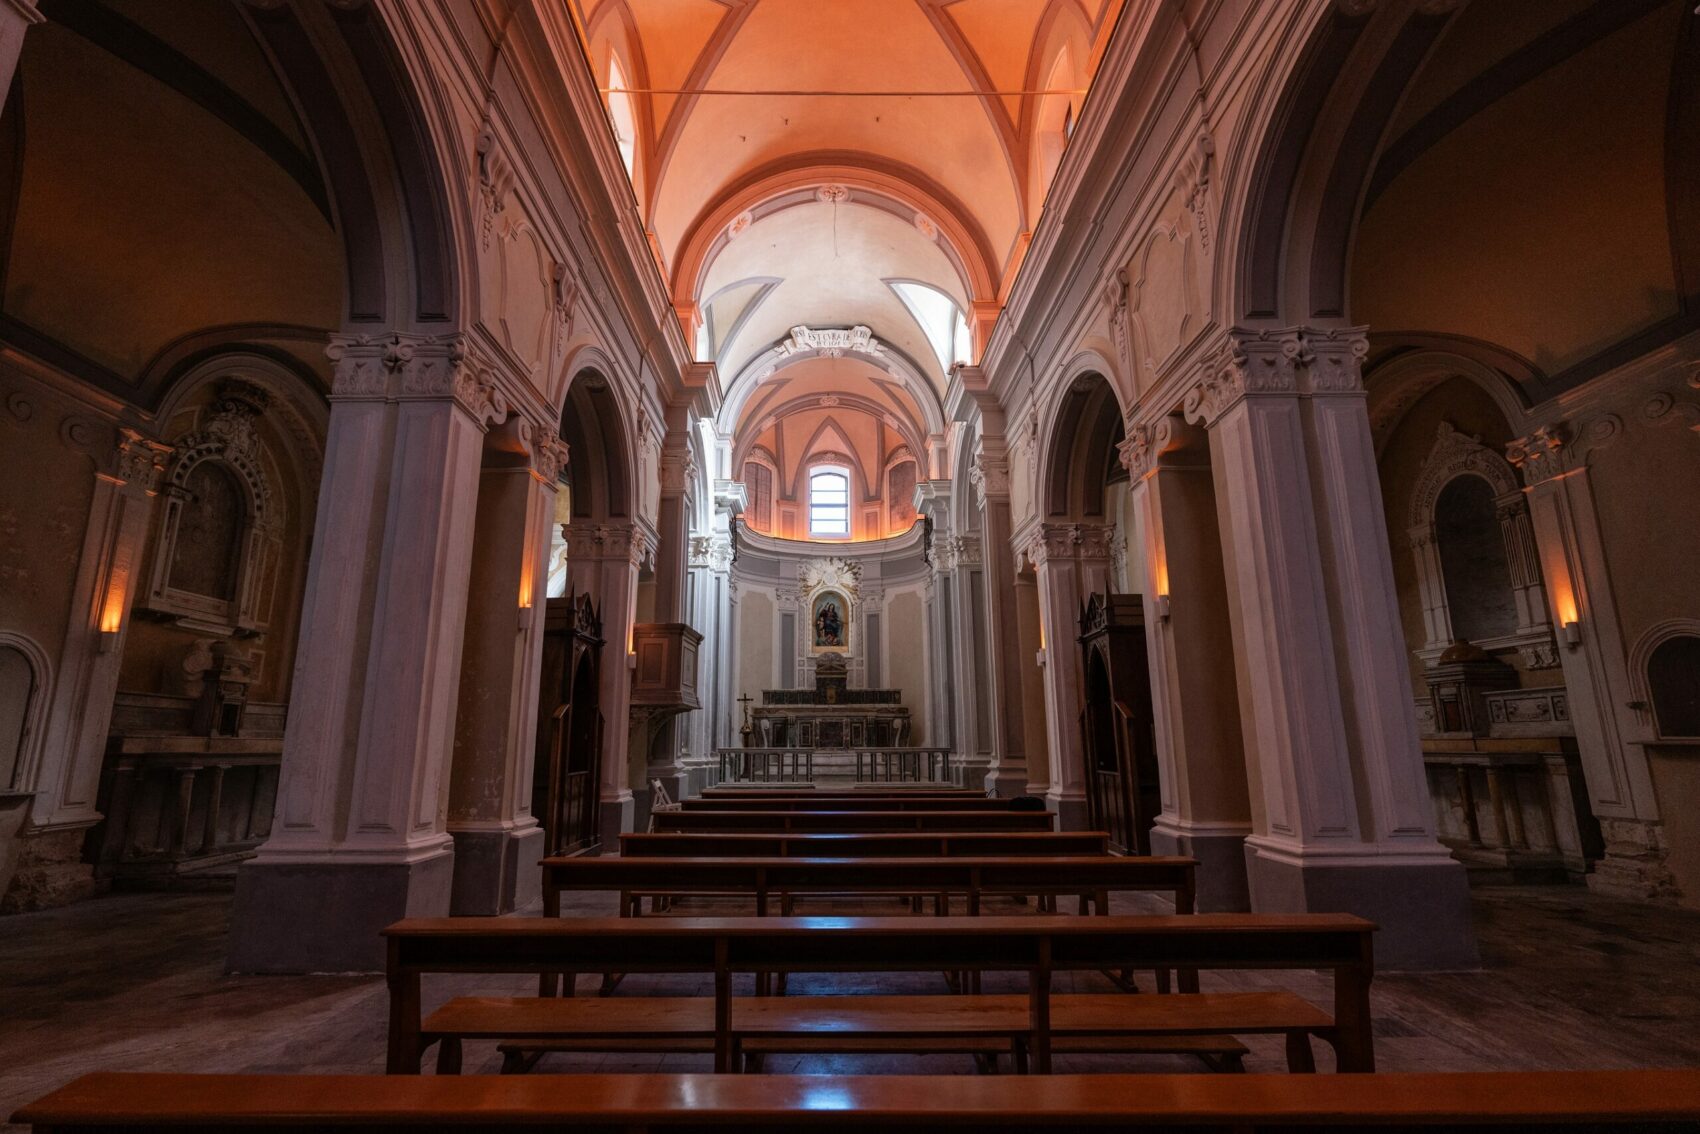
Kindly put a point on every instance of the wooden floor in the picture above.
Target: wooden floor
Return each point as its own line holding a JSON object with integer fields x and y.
{"x": 134, "y": 982}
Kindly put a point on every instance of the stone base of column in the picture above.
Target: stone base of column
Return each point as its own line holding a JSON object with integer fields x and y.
{"x": 496, "y": 871}
{"x": 326, "y": 916}
{"x": 1420, "y": 901}
{"x": 1070, "y": 809}
{"x": 616, "y": 819}
{"x": 1222, "y": 884}
{"x": 47, "y": 870}
{"x": 1635, "y": 865}
{"x": 1006, "y": 783}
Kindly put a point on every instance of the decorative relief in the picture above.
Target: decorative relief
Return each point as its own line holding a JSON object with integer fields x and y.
{"x": 1455, "y": 454}
{"x": 832, "y": 194}
{"x": 20, "y": 407}
{"x": 739, "y": 225}
{"x": 495, "y": 181}
{"x": 1115, "y": 295}
{"x": 677, "y": 470}
{"x": 830, "y": 574}
{"x": 422, "y": 366}
{"x": 828, "y": 401}
{"x": 990, "y": 478}
{"x": 1294, "y": 360}
{"x": 952, "y": 552}
{"x": 566, "y": 305}
{"x": 831, "y": 342}
{"x": 925, "y": 226}
{"x": 140, "y": 460}
{"x": 1192, "y": 181}
{"x": 712, "y": 552}
{"x": 1663, "y": 408}
{"x": 549, "y": 455}
{"x": 1049, "y": 542}
{"x": 1540, "y": 455}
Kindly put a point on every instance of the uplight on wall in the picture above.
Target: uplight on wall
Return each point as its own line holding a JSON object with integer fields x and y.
{"x": 1572, "y": 634}
{"x": 1163, "y": 607}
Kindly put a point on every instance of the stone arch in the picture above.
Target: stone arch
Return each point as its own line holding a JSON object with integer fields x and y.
{"x": 601, "y": 458}
{"x": 1641, "y": 657}
{"x": 406, "y": 257}
{"x": 1080, "y": 447}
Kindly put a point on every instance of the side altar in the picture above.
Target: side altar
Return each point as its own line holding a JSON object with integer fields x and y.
{"x": 831, "y": 715}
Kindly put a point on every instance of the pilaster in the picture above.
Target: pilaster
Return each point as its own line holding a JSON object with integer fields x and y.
{"x": 359, "y": 839}
{"x": 1341, "y": 815}
{"x": 1071, "y": 561}
{"x": 1568, "y": 544}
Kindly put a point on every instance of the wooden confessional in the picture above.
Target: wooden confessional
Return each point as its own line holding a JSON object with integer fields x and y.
{"x": 1122, "y": 791}
{"x": 566, "y": 784}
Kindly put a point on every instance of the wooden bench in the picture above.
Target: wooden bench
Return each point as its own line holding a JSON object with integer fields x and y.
{"x": 1534, "y": 1102}
{"x": 848, "y": 803}
{"x": 1038, "y": 946}
{"x": 854, "y": 821}
{"x": 897, "y": 844}
{"x": 1090, "y": 877}
{"x": 859, "y": 791}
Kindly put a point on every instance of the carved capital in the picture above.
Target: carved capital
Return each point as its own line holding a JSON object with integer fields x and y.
{"x": 990, "y": 477}
{"x": 403, "y": 365}
{"x": 1540, "y": 455}
{"x": 1333, "y": 360}
{"x": 139, "y": 461}
{"x": 677, "y": 469}
{"x": 1049, "y": 543}
{"x": 549, "y": 456}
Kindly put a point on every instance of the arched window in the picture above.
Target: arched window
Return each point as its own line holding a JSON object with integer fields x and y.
{"x": 1673, "y": 681}
{"x": 829, "y": 503}
{"x": 621, "y": 115}
{"x": 1472, "y": 560}
{"x": 17, "y": 686}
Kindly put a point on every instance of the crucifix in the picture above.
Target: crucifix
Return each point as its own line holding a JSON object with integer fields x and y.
{"x": 747, "y": 729}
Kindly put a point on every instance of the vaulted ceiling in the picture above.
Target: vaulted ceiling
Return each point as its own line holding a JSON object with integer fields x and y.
{"x": 799, "y": 162}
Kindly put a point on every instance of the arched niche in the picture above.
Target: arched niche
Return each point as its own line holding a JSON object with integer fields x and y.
{"x": 1477, "y": 571}
{"x": 1664, "y": 676}
{"x": 1081, "y": 458}
{"x": 219, "y": 537}
{"x": 25, "y": 685}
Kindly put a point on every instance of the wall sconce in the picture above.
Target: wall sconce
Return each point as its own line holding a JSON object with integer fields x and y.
{"x": 524, "y": 618}
{"x": 631, "y": 661}
{"x": 1163, "y": 607}
{"x": 1572, "y": 634}
{"x": 1039, "y": 658}
{"x": 105, "y": 641}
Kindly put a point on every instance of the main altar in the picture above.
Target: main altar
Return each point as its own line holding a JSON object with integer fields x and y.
{"x": 831, "y": 715}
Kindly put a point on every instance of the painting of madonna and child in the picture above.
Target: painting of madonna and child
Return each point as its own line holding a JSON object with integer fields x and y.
{"x": 831, "y": 622}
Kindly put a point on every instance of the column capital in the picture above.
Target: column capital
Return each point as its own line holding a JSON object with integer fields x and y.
{"x": 1287, "y": 361}
{"x": 990, "y": 476}
{"x": 1147, "y": 445}
{"x": 603, "y": 541}
{"x": 1540, "y": 455}
{"x": 404, "y": 366}
{"x": 730, "y": 496}
{"x": 139, "y": 461}
{"x": 1042, "y": 544}
{"x": 953, "y": 552}
{"x": 711, "y": 551}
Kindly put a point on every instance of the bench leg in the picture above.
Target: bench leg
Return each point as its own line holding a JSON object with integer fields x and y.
{"x": 1228, "y": 1064}
{"x": 519, "y": 1062}
{"x": 1300, "y": 1059}
{"x": 610, "y": 981}
{"x": 448, "y": 1055}
{"x": 1018, "y": 1055}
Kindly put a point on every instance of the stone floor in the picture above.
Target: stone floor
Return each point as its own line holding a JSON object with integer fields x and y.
{"x": 1570, "y": 980}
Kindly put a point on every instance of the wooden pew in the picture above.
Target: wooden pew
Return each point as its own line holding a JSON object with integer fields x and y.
{"x": 1534, "y": 1102}
{"x": 1035, "y": 945}
{"x": 859, "y": 791}
{"x": 1092, "y": 878}
{"x": 849, "y": 803}
{"x": 898, "y": 844}
{"x": 854, "y": 821}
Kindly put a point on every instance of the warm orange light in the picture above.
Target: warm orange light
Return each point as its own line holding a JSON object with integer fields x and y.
{"x": 525, "y": 589}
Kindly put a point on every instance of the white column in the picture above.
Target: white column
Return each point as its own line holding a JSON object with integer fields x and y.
{"x": 603, "y": 561}
{"x": 1195, "y": 702}
{"x": 359, "y": 835}
{"x": 1341, "y": 814}
{"x": 497, "y": 839}
{"x": 1072, "y": 561}
{"x": 1578, "y": 588}
{"x": 1006, "y": 658}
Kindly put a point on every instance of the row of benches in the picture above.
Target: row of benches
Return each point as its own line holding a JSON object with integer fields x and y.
{"x": 1605, "y": 1102}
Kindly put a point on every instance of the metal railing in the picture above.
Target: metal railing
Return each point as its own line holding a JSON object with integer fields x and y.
{"x": 767, "y": 765}
{"x": 906, "y": 765}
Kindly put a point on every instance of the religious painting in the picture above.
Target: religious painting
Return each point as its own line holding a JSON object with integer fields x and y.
{"x": 830, "y": 622}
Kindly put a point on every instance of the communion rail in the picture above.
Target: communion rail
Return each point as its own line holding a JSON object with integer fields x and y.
{"x": 872, "y": 765}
